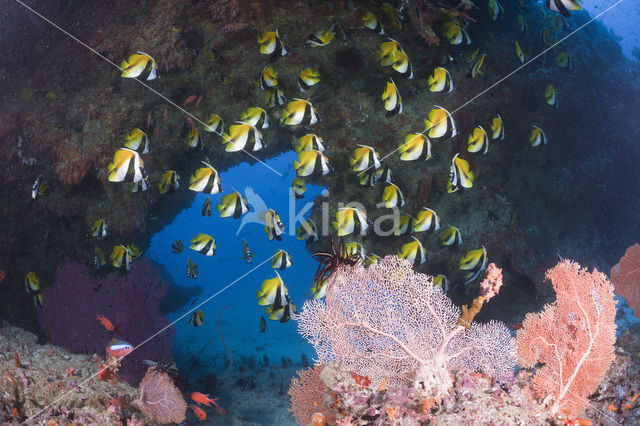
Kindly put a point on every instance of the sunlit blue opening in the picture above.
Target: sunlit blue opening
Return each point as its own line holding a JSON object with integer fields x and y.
{"x": 240, "y": 320}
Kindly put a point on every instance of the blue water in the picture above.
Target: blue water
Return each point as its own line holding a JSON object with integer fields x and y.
{"x": 240, "y": 320}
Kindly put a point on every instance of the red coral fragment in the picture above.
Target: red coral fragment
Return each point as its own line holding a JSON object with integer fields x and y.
{"x": 361, "y": 380}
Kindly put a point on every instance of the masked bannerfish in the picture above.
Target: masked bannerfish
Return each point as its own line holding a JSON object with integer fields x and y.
{"x": 522, "y": 24}
{"x": 403, "y": 225}
{"x": 282, "y": 314}
{"x": 352, "y": 248}
{"x": 321, "y": 38}
{"x": 197, "y": 318}
{"x": 214, "y": 123}
{"x": 413, "y": 252}
{"x": 307, "y": 78}
{"x": 127, "y": 166}
{"x": 169, "y": 182}
{"x": 392, "y": 99}
{"x": 450, "y": 236}
{"x": 439, "y": 123}
{"x": 273, "y": 225}
{"x": 281, "y": 260}
{"x": 478, "y": 141}
{"x": 563, "y": 6}
{"x": 416, "y": 146}
{"x": 371, "y": 21}
{"x": 232, "y": 205}
{"x": 562, "y": 60}
{"x": 242, "y": 136}
{"x": 192, "y": 270}
{"x": 520, "y": 53}
{"x": 309, "y": 142}
{"x": 319, "y": 290}
{"x": 441, "y": 281}
{"x": 476, "y": 68}
{"x": 268, "y": 78}
{"x": 298, "y": 186}
{"x": 298, "y": 112}
{"x": 206, "y": 208}
{"x": 204, "y": 244}
{"x": 537, "y": 136}
{"x": 307, "y": 231}
{"x": 38, "y": 188}
{"x": 273, "y": 97}
{"x": 177, "y": 246}
{"x": 392, "y": 196}
{"x": 440, "y": 81}
{"x": 31, "y": 283}
{"x": 270, "y": 44}
{"x": 460, "y": 175}
{"x": 454, "y": 32}
{"x": 255, "y": 116}
{"x": 497, "y": 128}
{"x": 426, "y": 220}
{"x": 121, "y": 257}
{"x": 206, "y": 179}
{"x": 136, "y": 64}
{"x": 495, "y": 9}
{"x": 475, "y": 261}
{"x": 247, "y": 255}
{"x": 98, "y": 258}
{"x": 551, "y": 96}
{"x": 98, "y": 228}
{"x": 348, "y": 219}
{"x": 386, "y": 52}
{"x": 364, "y": 157}
{"x": 137, "y": 140}
{"x": 193, "y": 136}
{"x": 310, "y": 162}
{"x": 273, "y": 292}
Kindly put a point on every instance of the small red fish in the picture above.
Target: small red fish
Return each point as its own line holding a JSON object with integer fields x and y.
{"x": 16, "y": 359}
{"x": 191, "y": 121}
{"x": 119, "y": 347}
{"x": 149, "y": 121}
{"x": 198, "y": 101}
{"x": 157, "y": 132}
{"x": 165, "y": 116}
{"x": 199, "y": 412}
{"x": 190, "y": 99}
{"x": 203, "y": 398}
{"x": 105, "y": 322}
{"x": 106, "y": 375}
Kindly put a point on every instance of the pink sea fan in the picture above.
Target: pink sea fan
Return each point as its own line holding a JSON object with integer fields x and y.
{"x": 573, "y": 337}
{"x": 307, "y": 396}
{"x": 388, "y": 322}
{"x": 625, "y": 276}
{"x": 160, "y": 399}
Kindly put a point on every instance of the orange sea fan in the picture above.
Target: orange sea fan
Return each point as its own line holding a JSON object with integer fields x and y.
{"x": 625, "y": 276}
{"x": 573, "y": 337}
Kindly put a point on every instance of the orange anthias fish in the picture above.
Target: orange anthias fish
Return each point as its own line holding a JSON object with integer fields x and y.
{"x": 119, "y": 347}
{"x": 199, "y": 412}
{"x": 203, "y": 398}
{"x": 106, "y": 375}
{"x": 105, "y": 322}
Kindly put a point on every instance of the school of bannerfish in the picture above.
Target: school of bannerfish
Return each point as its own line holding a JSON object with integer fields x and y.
{"x": 245, "y": 135}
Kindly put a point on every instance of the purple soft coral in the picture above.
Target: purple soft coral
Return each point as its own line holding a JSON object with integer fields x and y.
{"x": 131, "y": 301}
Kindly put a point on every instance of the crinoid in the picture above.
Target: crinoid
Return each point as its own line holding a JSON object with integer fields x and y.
{"x": 330, "y": 260}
